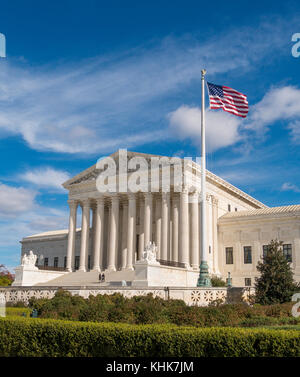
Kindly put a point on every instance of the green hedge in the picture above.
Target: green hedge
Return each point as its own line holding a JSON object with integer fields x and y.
{"x": 142, "y": 310}
{"x": 43, "y": 337}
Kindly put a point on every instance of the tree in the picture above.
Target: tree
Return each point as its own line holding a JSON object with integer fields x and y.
{"x": 275, "y": 283}
{"x": 6, "y": 278}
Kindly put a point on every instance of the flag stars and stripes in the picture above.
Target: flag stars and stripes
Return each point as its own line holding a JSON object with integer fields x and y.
{"x": 228, "y": 99}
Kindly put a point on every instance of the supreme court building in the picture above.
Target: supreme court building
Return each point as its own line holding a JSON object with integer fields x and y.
{"x": 109, "y": 232}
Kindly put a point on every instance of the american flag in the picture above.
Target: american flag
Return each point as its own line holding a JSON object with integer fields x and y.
{"x": 228, "y": 99}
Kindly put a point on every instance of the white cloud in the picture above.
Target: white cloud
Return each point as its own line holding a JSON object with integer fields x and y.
{"x": 15, "y": 200}
{"x": 295, "y": 131}
{"x": 278, "y": 104}
{"x": 112, "y": 101}
{"x": 221, "y": 128}
{"x": 37, "y": 220}
{"x": 290, "y": 187}
{"x": 46, "y": 177}
{"x": 21, "y": 215}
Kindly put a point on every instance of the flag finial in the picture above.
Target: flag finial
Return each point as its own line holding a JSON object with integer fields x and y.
{"x": 203, "y": 72}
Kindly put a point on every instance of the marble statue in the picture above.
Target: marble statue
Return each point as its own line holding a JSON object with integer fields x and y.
{"x": 30, "y": 259}
{"x": 149, "y": 254}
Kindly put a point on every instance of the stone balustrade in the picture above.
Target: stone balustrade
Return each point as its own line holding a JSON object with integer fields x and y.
{"x": 191, "y": 296}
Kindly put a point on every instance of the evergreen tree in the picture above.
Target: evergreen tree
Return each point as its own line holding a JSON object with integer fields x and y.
{"x": 275, "y": 283}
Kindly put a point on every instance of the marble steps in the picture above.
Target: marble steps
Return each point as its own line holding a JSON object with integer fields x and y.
{"x": 90, "y": 278}
{"x": 126, "y": 275}
{"x": 78, "y": 278}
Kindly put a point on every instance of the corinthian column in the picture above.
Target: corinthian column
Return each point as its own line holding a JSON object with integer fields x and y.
{"x": 184, "y": 228}
{"x": 72, "y": 233}
{"x": 131, "y": 231}
{"x": 124, "y": 236}
{"x": 164, "y": 225}
{"x": 215, "y": 234}
{"x": 141, "y": 232}
{"x": 113, "y": 234}
{"x": 85, "y": 228}
{"x": 195, "y": 231}
{"x": 158, "y": 226}
{"x": 175, "y": 235}
{"x": 98, "y": 234}
{"x": 147, "y": 218}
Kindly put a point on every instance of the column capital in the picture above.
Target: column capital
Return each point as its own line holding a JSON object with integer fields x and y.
{"x": 175, "y": 200}
{"x": 73, "y": 203}
{"x": 214, "y": 200}
{"x": 147, "y": 195}
{"x": 165, "y": 195}
{"x": 193, "y": 190}
{"x": 114, "y": 199}
{"x": 100, "y": 200}
{"x": 85, "y": 202}
{"x": 194, "y": 197}
{"x": 185, "y": 190}
{"x": 131, "y": 196}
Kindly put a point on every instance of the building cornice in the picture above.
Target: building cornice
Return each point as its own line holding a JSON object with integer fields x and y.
{"x": 87, "y": 179}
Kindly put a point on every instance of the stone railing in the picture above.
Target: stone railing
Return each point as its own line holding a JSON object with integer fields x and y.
{"x": 171, "y": 263}
{"x": 191, "y": 296}
{"x": 51, "y": 268}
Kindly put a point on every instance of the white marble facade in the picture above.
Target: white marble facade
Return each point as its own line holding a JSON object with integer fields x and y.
{"x": 116, "y": 227}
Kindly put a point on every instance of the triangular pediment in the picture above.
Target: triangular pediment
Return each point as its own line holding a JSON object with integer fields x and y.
{"x": 85, "y": 176}
{"x": 90, "y": 175}
{"x": 92, "y": 172}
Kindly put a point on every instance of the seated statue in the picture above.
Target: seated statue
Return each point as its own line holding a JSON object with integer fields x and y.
{"x": 30, "y": 259}
{"x": 149, "y": 254}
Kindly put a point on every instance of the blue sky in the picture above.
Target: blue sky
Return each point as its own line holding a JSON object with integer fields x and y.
{"x": 84, "y": 78}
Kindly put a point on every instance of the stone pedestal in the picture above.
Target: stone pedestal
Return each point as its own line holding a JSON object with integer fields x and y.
{"x": 156, "y": 275}
{"x": 31, "y": 275}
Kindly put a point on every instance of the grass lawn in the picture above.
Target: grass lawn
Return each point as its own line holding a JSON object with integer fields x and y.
{"x": 18, "y": 311}
{"x": 283, "y": 327}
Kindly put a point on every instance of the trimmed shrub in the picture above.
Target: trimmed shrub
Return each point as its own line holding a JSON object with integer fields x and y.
{"x": 52, "y": 338}
{"x": 217, "y": 282}
{"x": 17, "y": 304}
{"x": 62, "y": 306}
{"x": 149, "y": 309}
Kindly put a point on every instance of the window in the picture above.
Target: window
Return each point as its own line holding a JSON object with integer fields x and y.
{"x": 229, "y": 208}
{"x": 247, "y": 255}
{"x": 247, "y": 282}
{"x": 209, "y": 248}
{"x": 55, "y": 262}
{"x": 89, "y": 262}
{"x": 46, "y": 262}
{"x": 229, "y": 255}
{"x": 65, "y": 262}
{"x": 77, "y": 259}
{"x": 235, "y": 209}
{"x": 265, "y": 250}
{"x": 287, "y": 251}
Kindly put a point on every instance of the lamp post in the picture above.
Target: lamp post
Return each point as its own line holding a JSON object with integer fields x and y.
{"x": 229, "y": 281}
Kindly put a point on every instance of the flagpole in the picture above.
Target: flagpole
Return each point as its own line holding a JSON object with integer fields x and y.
{"x": 204, "y": 279}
